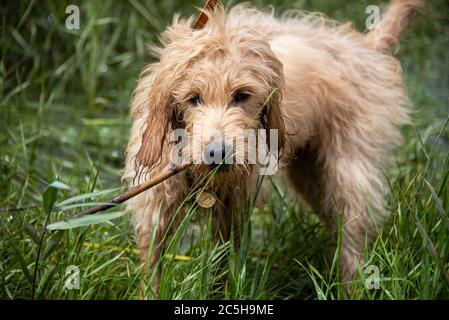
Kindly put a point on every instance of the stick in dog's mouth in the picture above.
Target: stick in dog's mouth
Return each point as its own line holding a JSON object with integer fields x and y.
{"x": 131, "y": 193}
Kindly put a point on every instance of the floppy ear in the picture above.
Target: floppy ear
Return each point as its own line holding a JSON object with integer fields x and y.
{"x": 153, "y": 97}
{"x": 271, "y": 116}
{"x": 153, "y": 100}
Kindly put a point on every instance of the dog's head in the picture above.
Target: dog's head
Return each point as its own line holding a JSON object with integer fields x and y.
{"x": 217, "y": 83}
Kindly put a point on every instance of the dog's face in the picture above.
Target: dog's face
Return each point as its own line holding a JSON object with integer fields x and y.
{"x": 218, "y": 85}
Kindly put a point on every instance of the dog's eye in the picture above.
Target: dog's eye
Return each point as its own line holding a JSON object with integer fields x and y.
{"x": 195, "y": 100}
{"x": 240, "y": 97}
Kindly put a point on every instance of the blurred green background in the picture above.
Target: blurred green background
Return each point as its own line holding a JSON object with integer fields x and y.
{"x": 64, "y": 97}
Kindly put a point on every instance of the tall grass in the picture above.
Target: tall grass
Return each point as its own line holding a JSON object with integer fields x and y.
{"x": 64, "y": 117}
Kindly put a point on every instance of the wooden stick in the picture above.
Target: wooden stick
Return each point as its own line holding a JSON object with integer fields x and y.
{"x": 19, "y": 208}
{"x": 164, "y": 175}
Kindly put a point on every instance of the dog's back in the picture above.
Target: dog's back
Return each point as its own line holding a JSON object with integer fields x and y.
{"x": 343, "y": 103}
{"x": 325, "y": 61}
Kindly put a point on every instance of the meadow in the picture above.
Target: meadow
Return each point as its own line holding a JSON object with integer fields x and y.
{"x": 64, "y": 97}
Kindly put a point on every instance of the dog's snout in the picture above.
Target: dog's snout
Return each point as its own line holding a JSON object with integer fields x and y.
{"x": 217, "y": 152}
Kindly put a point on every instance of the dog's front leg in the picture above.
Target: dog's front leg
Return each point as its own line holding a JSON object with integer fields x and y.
{"x": 226, "y": 223}
{"x": 150, "y": 216}
{"x": 226, "y": 219}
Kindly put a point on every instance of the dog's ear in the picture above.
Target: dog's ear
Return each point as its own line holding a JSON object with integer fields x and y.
{"x": 271, "y": 116}
{"x": 154, "y": 102}
{"x": 153, "y": 99}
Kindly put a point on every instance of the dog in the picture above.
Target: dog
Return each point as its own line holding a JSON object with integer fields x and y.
{"x": 334, "y": 96}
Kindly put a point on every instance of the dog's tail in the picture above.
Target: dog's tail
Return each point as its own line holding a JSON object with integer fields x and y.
{"x": 393, "y": 23}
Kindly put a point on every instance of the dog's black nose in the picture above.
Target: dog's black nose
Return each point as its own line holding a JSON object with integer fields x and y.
{"x": 217, "y": 152}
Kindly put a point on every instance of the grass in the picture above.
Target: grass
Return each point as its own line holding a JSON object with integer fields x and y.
{"x": 64, "y": 117}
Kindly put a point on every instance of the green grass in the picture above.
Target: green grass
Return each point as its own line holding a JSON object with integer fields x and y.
{"x": 64, "y": 99}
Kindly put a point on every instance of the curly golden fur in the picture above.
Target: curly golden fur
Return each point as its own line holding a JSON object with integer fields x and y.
{"x": 337, "y": 99}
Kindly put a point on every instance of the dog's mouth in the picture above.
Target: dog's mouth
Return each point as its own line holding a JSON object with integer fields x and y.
{"x": 221, "y": 176}
{"x": 226, "y": 159}
{"x": 220, "y": 162}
